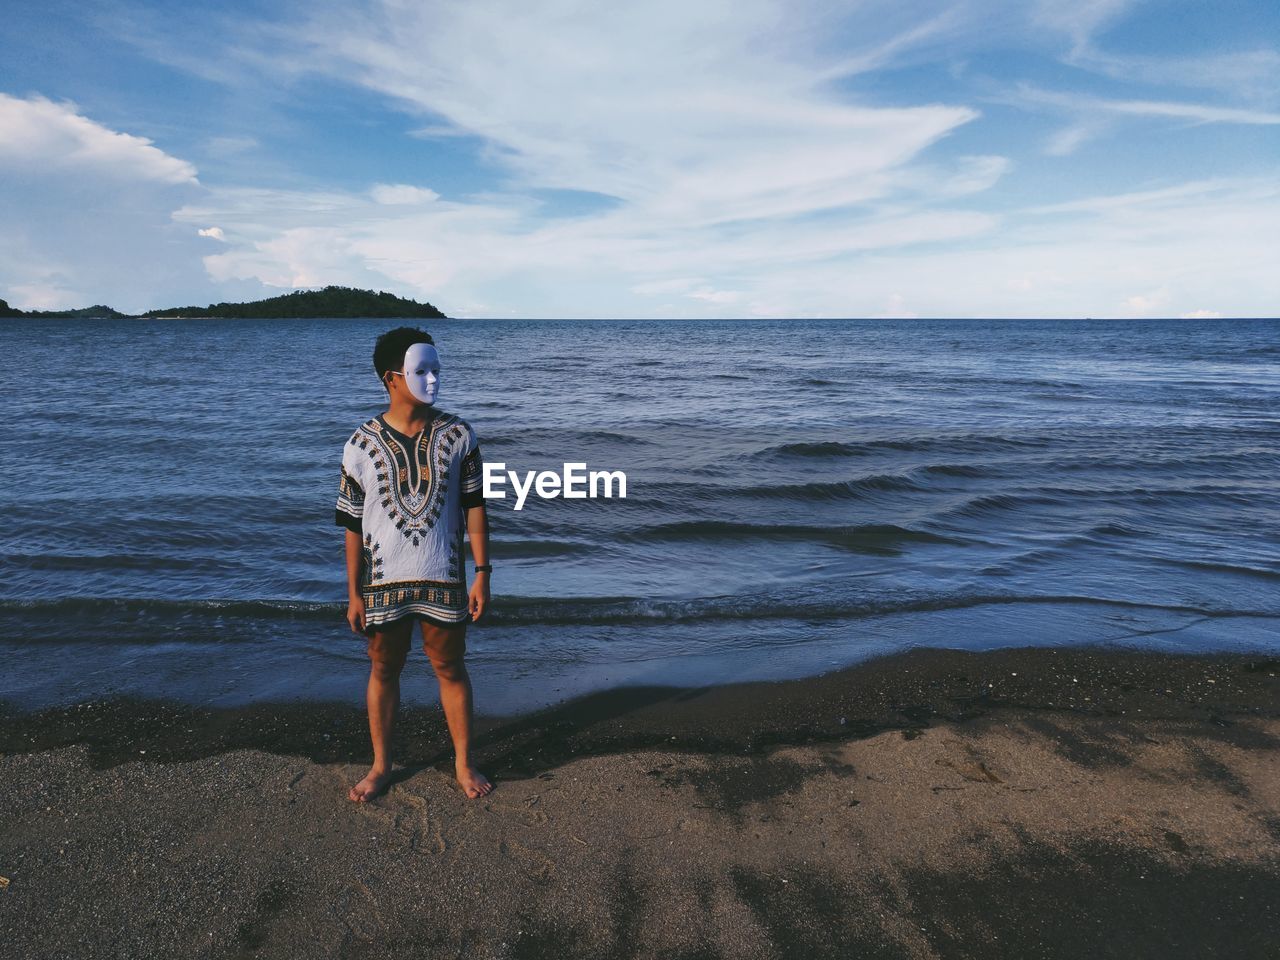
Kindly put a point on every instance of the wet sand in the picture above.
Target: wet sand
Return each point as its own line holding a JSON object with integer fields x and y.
{"x": 1019, "y": 803}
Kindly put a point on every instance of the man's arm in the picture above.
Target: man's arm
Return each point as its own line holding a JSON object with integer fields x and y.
{"x": 354, "y": 544}
{"x": 478, "y": 534}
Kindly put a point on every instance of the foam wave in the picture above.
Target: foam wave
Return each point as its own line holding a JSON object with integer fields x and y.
{"x": 129, "y": 620}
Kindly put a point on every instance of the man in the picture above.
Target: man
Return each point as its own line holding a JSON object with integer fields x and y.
{"x": 410, "y": 481}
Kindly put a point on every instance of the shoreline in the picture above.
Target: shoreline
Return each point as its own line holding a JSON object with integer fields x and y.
{"x": 1045, "y": 802}
{"x": 901, "y": 690}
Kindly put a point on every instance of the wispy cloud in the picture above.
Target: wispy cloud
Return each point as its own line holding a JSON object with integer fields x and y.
{"x": 696, "y": 117}
{"x": 714, "y": 129}
{"x": 1028, "y": 94}
{"x": 393, "y": 194}
{"x": 750, "y": 158}
{"x": 1249, "y": 75}
{"x": 1079, "y": 20}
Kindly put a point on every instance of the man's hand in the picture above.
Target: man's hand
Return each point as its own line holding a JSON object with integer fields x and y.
{"x": 355, "y": 614}
{"x": 479, "y": 597}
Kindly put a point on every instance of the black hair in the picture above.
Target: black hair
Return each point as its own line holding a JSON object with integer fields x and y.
{"x": 388, "y": 352}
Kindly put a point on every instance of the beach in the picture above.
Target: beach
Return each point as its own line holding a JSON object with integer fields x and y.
{"x": 824, "y": 455}
{"x": 1025, "y": 802}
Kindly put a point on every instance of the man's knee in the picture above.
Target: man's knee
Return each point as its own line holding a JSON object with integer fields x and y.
{"x": 449, "y": 669}
{"x": 386, "y": 667}
{"x": 445, "y": 647}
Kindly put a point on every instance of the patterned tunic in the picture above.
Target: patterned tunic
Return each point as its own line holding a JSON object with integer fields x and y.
{"x": 405, "y": 496}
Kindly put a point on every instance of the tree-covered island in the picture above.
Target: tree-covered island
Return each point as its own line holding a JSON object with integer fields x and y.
{"x": 332, "y": 301}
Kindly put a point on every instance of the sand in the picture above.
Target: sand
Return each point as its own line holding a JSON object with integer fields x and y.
{"x": 936, "y": 804}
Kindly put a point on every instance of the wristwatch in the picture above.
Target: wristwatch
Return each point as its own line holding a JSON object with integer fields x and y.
{"x": 484, "y": 568}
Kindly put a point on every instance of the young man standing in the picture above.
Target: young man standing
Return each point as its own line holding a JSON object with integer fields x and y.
{"x": 411, "y": 480}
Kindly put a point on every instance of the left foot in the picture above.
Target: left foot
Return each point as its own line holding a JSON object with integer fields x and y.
{"x": 474, "y": 783}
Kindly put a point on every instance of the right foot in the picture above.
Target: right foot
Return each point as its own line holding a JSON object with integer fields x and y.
{"x": 374, "y": 783}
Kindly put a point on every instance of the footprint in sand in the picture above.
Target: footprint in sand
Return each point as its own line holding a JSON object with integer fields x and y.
{"x": 428, "y": 834}
{"x": 524, "y": 812}
{"x": 403, "y": 814}
{"x": 535, "y": 863}
{"x": 971, "y": 769}
{"x": 362, "y": 918}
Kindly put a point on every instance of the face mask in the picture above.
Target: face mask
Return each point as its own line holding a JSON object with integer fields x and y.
{"x": 422, "y": 371}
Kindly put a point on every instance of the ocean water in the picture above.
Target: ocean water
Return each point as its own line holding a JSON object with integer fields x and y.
{"x": 801, "y": 495}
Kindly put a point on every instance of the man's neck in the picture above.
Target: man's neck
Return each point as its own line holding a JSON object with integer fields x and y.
{"x": 408, "y": 419}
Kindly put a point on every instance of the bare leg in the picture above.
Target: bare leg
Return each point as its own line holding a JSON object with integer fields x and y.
{"x": 383, "y": 698}
{"x": 455, "y": 698}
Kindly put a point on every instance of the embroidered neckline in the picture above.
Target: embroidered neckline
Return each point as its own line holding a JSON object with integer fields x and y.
{"x": 412, "y": 506}
{"x": 417, "y": 476}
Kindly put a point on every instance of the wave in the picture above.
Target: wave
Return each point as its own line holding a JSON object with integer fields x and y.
{"x": 1028, "y": 559}
{"x": 1166, "y": 465}
{"x": 1093, "y": 497}
{"x": 871, "y": 537}
{"x": 1217, "y": 566}
{"x": 137, "y": 619}
{"x": 119, "y": 608}
{"x": 562, "y": 438}
{"x": 962, "y": 443}
{"x": 846, "y": 489}
{"x": 518, "y": 549}
{"x": 150, "y": 561}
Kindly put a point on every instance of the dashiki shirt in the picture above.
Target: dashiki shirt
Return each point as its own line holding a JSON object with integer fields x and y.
{"x": 405, "y": 496}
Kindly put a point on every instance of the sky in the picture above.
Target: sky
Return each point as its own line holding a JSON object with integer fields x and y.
{"x": 754, "y": 158}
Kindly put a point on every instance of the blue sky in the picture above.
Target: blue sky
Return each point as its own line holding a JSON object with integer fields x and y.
{"x": 1104, "y": 158}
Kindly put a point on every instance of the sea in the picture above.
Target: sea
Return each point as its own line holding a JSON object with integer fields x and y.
{"x": 801, "y": 495}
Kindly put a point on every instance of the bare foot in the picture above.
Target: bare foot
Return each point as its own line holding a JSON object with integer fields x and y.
{"x": 474, "y": 783}
{"x": 374, "y": 783}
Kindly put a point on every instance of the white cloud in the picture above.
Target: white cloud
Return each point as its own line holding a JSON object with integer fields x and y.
{"x": 719, "y": 297}
{"x": 713, "y": 128}
{"x": 1252, "y": 75}
{"x": 1202, "y": 193}
{"x": 751, "y": 169}
{"x": 895, "y": 309}
{"x": 689, "y": 114}
{"x": 457, "y": 251}
{"x": 37, "y": 133}
{"x": 40, "y": 296}
{"x": 1028, "y": 95}
{"x": 401, "y": 193}
{"x": 1201, "y": 113}
{"x": 659, "y": 287}
{"x": 1140, "y": 305}
{"x": 1200, "y": 315}
{"x": 1080, "y": 20}
{"x": 436, "y": 131}
{"x": 1069, "y": 139}
{"x": 1162, "y": 250}
{"x": 214, "y": 232}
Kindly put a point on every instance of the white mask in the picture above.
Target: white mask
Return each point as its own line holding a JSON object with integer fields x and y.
{"x": 422, "y": 371}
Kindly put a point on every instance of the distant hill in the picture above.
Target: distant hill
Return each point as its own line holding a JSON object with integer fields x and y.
{"x": 332, "y": 301}
{"x": 97, "y": 311}
{"x": 329, "y": 302}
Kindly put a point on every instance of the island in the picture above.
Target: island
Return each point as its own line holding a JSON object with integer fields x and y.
{"x": 332, "y": 301}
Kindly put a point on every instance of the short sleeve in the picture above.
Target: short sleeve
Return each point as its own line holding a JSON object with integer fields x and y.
{"x": 472, "y": 472}
{"x": 350, "y": 506}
